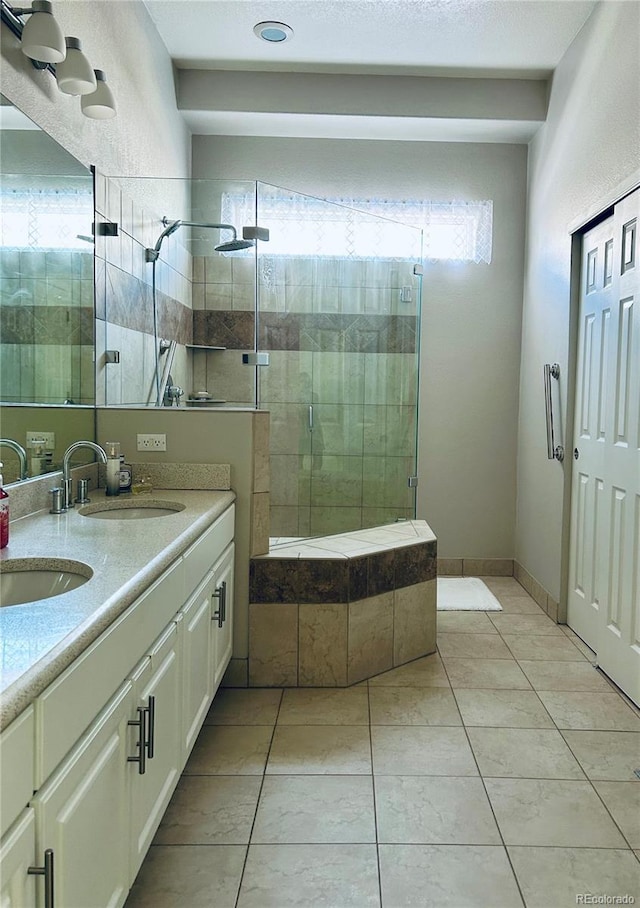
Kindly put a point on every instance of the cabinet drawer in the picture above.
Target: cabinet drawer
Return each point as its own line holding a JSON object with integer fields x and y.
{"x": 199, "y": 558}
{"x": 16, "y": 758}
{"x": 67, "y": 706}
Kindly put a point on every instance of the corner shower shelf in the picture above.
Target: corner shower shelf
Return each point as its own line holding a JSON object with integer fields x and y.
{"x": 202, "y": 347}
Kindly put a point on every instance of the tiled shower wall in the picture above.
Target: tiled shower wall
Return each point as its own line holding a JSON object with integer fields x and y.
{"x": 46, "y": 353}
{"x": 124, "y": 301}
{"x": 340, "y": 340}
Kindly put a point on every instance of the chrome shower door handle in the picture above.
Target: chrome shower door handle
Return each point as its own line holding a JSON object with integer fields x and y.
{"x": 310, "y": 418}
{"x": 554, "y": 452}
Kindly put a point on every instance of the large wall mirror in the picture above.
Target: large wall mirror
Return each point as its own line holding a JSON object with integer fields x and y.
{"x": 47, "y": 375}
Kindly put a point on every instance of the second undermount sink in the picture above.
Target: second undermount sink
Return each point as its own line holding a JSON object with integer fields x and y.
{"x": 24, "y": 580}
{"x": 130, "y": 509}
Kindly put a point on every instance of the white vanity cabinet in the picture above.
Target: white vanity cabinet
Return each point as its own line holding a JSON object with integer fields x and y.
{"x": 105, "y": 774}
{"x": 222, "y": 618}
{"x": 18, "y": 837}
{"x": 207, "y": 627}
{"x": 155, "y": 775}
{"x": 17, "y": 855}
{"x": 197, "y": 651}
{"x": 82, "y": 813}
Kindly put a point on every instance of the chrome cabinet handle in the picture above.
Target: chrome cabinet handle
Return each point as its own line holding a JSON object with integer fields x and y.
{"x": 554, "y": 451}
{"x": 151, "y": 727}
{"x": 220, "y": 594}
{"x": 47, "y": 873}
{"x": 141, "y": 723}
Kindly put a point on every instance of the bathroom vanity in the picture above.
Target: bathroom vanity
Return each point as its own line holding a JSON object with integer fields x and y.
{"x": 105, "y": 690}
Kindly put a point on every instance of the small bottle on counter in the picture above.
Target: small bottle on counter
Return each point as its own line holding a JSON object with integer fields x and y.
{"x": 112, "y": 449}
{"x": 126, "y": 475}
{"x": 38, "y": 460}
{"x": 4, "y": 515}
{"x": 142, "y": 486}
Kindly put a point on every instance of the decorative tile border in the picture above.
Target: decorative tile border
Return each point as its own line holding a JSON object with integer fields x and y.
{"x": 288, "y": 575}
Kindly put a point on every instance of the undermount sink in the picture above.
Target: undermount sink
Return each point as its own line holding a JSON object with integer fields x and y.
{"x": 132, "y": 510}
{"x": 32, "y": 579}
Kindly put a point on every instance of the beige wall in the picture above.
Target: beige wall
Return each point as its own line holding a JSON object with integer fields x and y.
{"x": 148, "y": 137}
{"x": 236, "y": 437}
{"x": 578, "y": 161}
{"x": 471, "y": 313}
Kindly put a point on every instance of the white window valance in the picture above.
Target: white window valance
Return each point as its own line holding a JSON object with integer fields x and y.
{"x": 368, "y": 228}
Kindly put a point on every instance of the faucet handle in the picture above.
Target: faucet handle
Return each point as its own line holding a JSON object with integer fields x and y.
{"x": 82, "y": 489}
{"x": 56, "y": 501}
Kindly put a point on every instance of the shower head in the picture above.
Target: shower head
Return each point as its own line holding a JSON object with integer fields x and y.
{"x": 234, "y": 246}
{"x": 171, "y": 226}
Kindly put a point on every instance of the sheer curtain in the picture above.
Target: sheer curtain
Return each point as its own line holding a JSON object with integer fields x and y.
{"x": 367, "y": 228}
{"x": 50, "y": 218}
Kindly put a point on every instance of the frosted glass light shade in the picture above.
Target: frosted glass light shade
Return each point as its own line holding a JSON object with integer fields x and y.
{"x": 75, "y": 75}
{"x": 42, "y": 37}
{"x": 100, "y": 104}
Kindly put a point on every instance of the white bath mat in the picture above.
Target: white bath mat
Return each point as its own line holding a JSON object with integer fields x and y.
{"x": 465, "y": 594}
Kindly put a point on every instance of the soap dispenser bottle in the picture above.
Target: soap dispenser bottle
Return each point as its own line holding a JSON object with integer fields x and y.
{"x": 112, "y": 449}
{"x": 4, "y": 515}
{"x": 126, "y": 475}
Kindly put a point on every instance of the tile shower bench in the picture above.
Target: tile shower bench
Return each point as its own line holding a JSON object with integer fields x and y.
{"x": 334, "y": 610}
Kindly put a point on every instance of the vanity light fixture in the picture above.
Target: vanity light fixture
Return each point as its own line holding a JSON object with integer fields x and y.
{"x": 42, "y": 37}
{"x": 42, "y": 41}
{"x": 74, "y": 74}
{"x": 99, "y": 105}
{"x": 273, "y": 32}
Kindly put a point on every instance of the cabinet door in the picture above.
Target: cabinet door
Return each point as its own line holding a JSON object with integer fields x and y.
{"x": 17, "y": 854}
{"x": 222, "y": 623}
{"x": 82, "y": 813}
{"x": 197, "y": 654}
{"x": 157, "y": 690}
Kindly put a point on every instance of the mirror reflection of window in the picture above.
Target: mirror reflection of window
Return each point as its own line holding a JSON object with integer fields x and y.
{"x": 47, "y": 382}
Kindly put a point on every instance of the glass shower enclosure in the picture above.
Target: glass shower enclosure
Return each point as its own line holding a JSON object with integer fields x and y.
{"x": 333, "y": 298}
{"x": 338, "y": 312}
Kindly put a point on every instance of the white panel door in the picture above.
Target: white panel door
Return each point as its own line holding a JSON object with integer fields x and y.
{"x": 604, "y": 581}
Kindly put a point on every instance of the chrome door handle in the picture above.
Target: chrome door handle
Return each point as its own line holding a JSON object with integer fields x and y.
{"x": 151, "y": 727}
{"x": 311, "y": 419}
{"x": 47, "y": 872}
{"x": 141, "y": 723}
{"x": 220, "y": 593}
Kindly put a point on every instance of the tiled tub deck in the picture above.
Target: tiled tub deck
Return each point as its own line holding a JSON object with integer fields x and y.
{"x": 334, "y": 610}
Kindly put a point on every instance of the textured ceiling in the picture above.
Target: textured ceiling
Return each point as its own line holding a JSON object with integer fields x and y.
{"x": 510, "y": 36}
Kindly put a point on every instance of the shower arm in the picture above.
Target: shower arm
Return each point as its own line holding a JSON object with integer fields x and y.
{"x": 171, "y": 226}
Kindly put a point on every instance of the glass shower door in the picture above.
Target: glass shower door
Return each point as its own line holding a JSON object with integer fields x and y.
{"x": 338, "y": 312}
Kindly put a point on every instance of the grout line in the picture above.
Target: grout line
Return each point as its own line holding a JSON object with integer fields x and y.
{"x": 486, "y": 794}
{"x": 264, "y": 772}
{"x": 375, "y": 806}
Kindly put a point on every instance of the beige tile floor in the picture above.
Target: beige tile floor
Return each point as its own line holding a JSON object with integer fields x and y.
{"x": 498, "y": 772}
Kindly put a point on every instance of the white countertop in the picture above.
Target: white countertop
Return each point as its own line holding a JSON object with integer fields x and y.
{"x": 38, "y": 640}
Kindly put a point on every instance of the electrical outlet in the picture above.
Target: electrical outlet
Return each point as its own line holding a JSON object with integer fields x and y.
{"x": 152, "y": 442}
{"x": 36, "y": 438}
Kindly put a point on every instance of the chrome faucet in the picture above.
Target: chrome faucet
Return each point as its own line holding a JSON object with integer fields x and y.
{"x": 20, "y": 451}
{"x": 67, "y": 482}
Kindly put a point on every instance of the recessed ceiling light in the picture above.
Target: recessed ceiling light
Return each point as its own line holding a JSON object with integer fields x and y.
{"x": 274, "y": 32}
